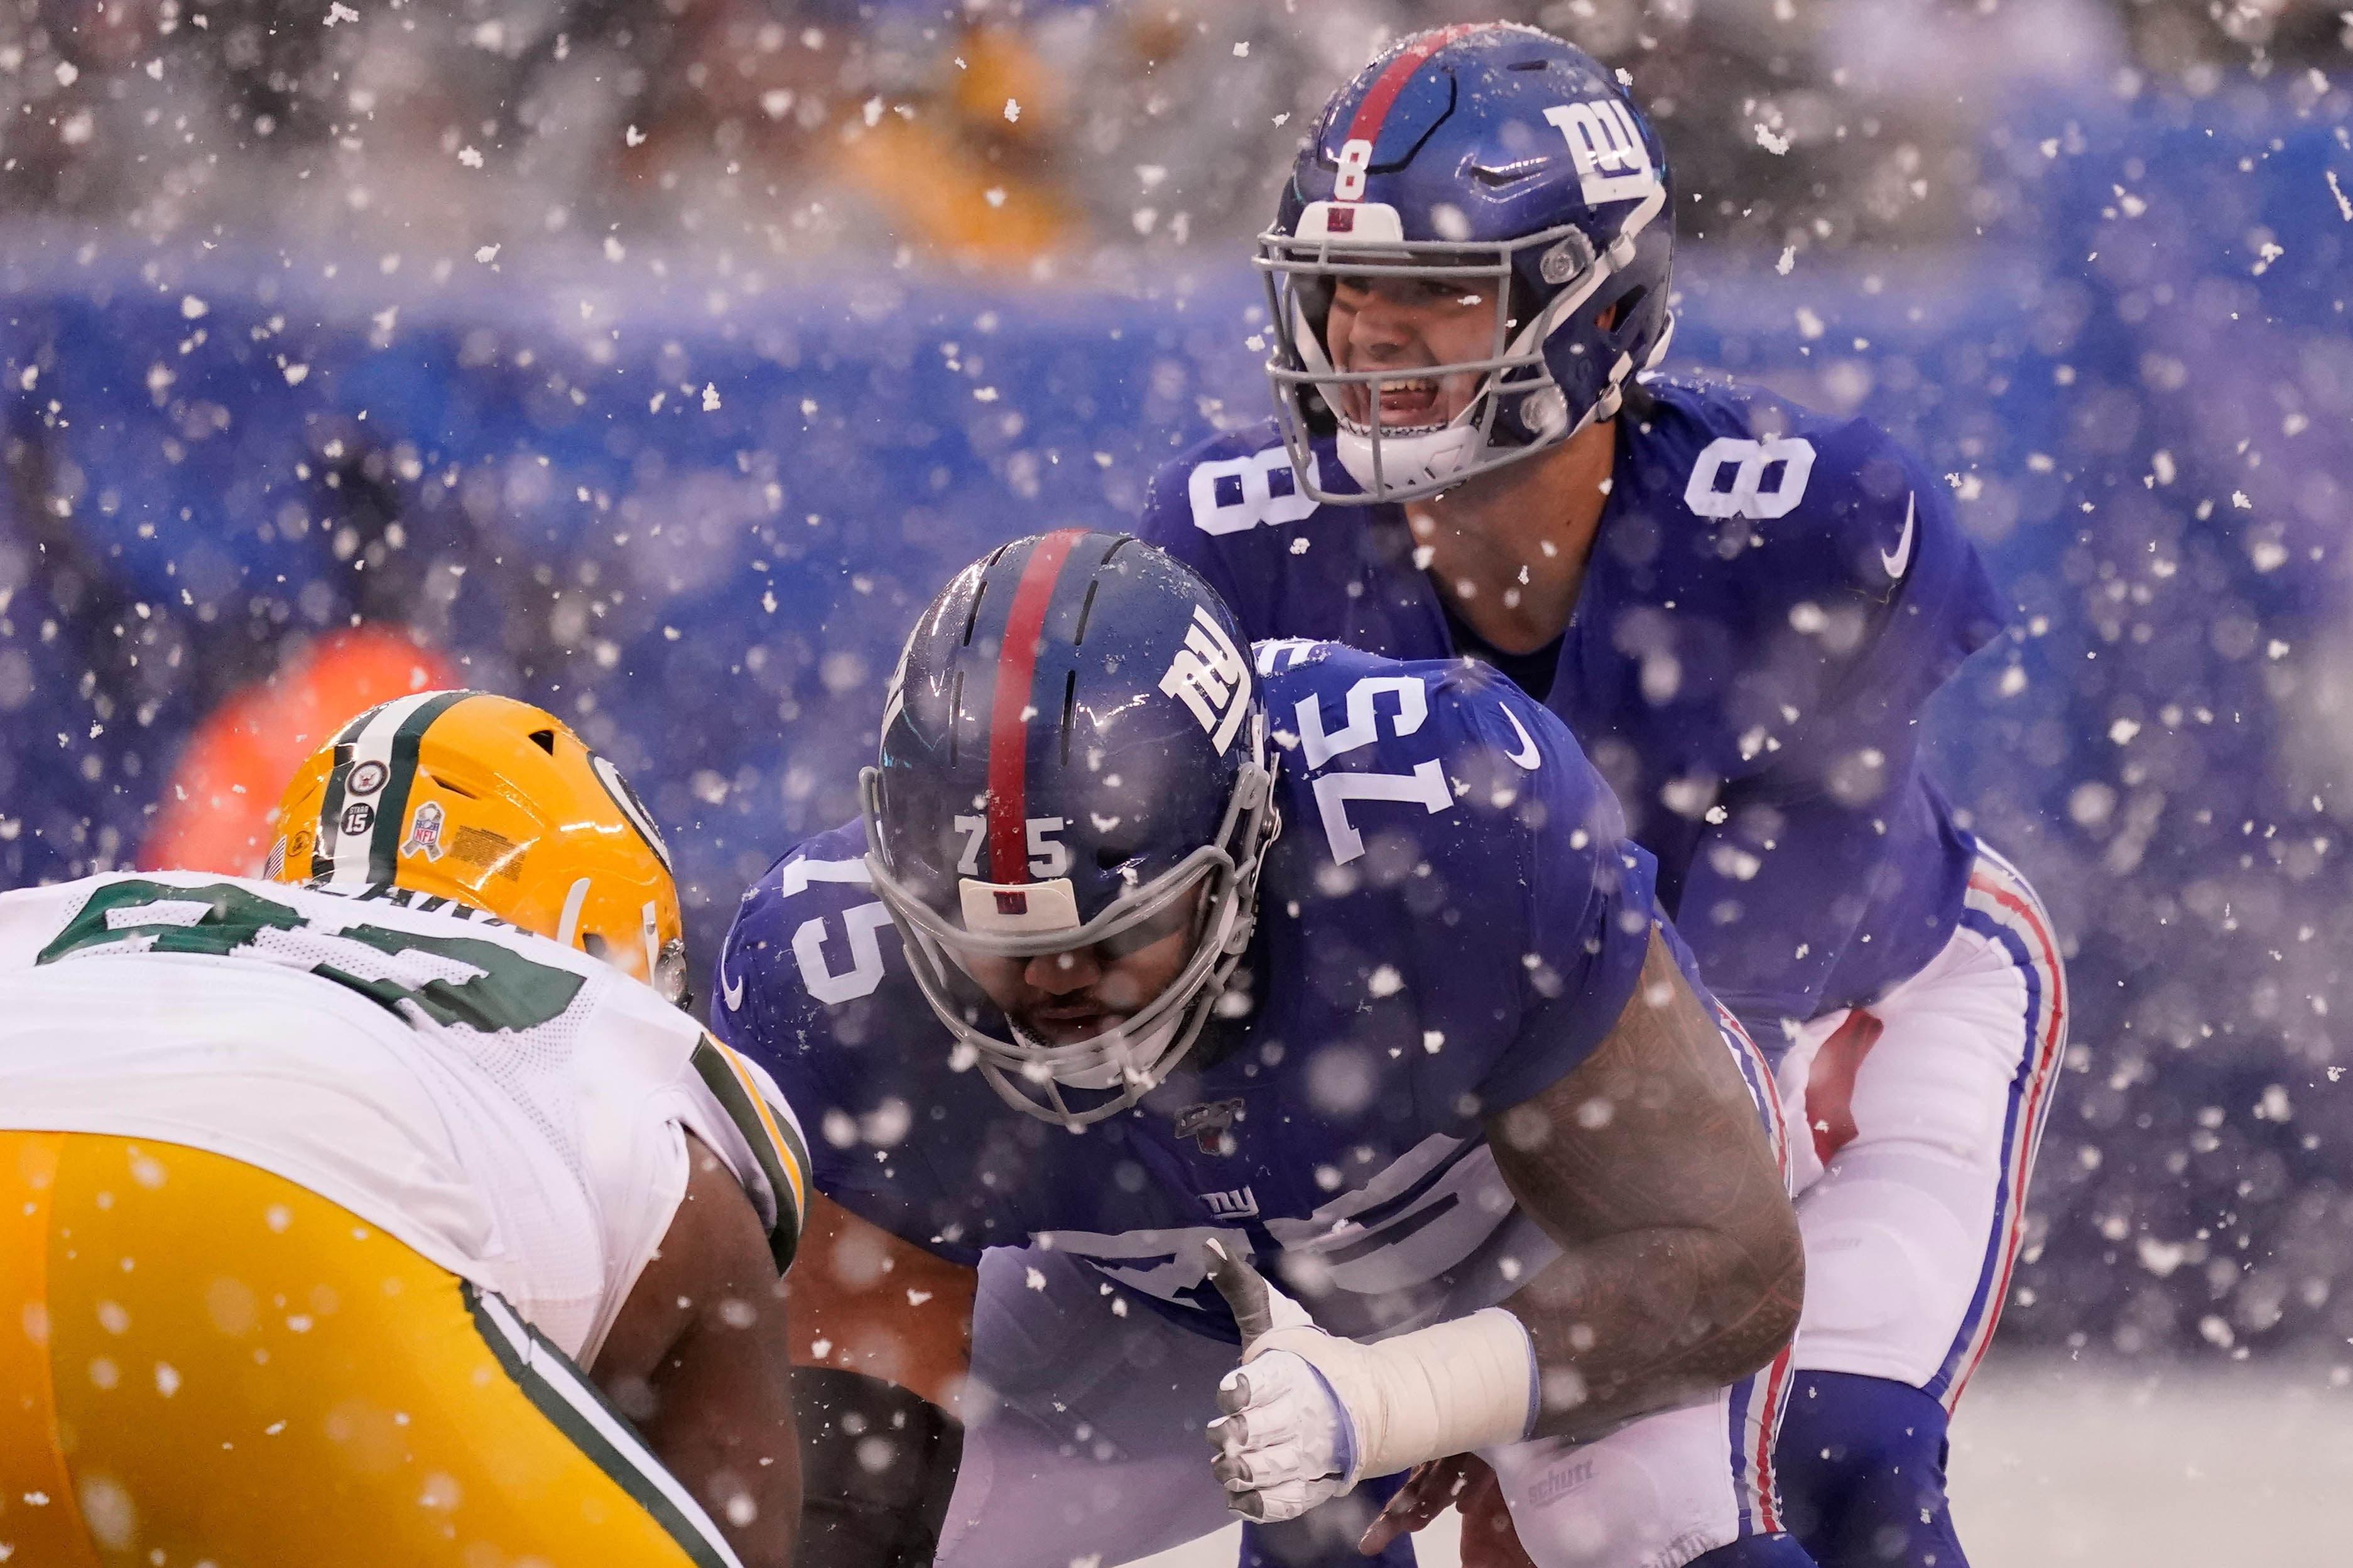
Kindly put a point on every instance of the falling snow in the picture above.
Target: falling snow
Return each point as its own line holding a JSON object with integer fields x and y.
{"x": 378, "y": 348}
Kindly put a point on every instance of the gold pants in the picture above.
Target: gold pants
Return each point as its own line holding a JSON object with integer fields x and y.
{"x": 201, "y": 1363}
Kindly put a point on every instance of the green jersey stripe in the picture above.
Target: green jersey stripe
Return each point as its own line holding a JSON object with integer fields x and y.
{"x": 785, "y": 1237}
{"x": 571, "y": 1402}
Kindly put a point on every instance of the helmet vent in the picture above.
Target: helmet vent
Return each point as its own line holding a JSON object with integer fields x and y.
{"x": 1527, "y": 65}
{"x": 1070, "y": 696}
{"x": 956, "y": 710}
{"x": 455, "y": 789}
{"x": 980, "y": 592}
{"x": 1510, "y": 174}
{"x": 1085, "y": 610}
{"x": 545, "y": 740}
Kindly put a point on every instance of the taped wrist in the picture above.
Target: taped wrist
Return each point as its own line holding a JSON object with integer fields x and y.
{"x": 1451, "y": 1388}
{"x": 878, "y": 1464}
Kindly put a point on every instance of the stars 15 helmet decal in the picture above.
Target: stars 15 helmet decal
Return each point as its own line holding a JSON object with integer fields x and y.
{"x": 1073, "y": 757}
{"x": 1497, "y": 158}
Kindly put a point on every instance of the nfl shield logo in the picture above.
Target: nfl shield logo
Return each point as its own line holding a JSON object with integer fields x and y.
{"x": 424, "y": 832}
{"x": 1210, "y": 1125}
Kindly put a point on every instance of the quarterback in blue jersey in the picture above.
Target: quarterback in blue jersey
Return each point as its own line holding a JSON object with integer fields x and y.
{"x": 1156, "y": 964}
{"x": 1738, "y": 606}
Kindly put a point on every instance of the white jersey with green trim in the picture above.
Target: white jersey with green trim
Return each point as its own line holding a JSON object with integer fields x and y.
{"x": 512, "y": 1108}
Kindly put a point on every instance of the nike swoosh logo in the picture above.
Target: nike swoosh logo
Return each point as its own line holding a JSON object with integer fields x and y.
{"x": 1526, "y": 756}
{"x": 731, "y": 990}
{"x": 1896, "y": 562}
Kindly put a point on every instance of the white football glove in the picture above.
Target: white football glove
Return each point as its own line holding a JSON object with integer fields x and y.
{"x": 1285, "y": 1442}
{"x": 1308, "y": 1413}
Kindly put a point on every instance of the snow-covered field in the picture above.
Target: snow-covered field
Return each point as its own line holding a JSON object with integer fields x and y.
{"x": 2057, "y": 1464}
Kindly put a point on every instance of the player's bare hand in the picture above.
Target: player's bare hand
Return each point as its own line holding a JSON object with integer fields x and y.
{"x": 1466, "y": 1483}
{"x": 1428, "y": 1492}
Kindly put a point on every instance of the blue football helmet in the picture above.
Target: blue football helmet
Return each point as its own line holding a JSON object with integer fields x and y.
{"x": 1499, "y": 155}
{"x": 1073, "y": 755}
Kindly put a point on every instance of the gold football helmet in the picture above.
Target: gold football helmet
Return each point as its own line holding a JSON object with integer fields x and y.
{"x": 495, "y": 804}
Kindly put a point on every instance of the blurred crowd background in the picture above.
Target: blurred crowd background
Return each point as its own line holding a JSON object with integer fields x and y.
{"x": 656, "y": 359}
{"x": 1022, "y": 136}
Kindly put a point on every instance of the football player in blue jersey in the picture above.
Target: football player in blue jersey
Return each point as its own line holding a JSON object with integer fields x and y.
{"x": 1739, "y": 606}
{"x": 1308, "y": 1010}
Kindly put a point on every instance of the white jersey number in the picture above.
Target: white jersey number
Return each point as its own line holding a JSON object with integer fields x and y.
{"x": 476, "y": 982}
{"x": 1425, "y": 787}
{"x": 860, "y": 922}
{"x": 1787, "y": 461}
{"x": 1235, "y": 495}
{"x": 825, "y": 983}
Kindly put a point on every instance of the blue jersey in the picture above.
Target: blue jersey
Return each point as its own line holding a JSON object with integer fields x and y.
{"x": 1772, "y": 596}
{"x": 1450, "y": 920}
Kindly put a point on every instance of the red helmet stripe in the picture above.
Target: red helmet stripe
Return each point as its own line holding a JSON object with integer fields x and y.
{"x": 1014, "y": 705}
{"x": 1366, "y": 125}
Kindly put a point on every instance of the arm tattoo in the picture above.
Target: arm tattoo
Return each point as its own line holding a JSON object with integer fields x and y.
{"x": 1681, "y": 1268}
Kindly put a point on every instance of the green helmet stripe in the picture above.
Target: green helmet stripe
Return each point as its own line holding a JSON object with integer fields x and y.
{"x": 392, "y": 811}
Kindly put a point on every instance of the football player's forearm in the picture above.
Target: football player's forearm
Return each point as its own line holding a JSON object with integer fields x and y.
{"x": 1647, "y": 1319}
{"x": 699, "y": 1357}
{"x": 1681, "y": 1268}
{"x": 865, "y": 1300}
{"x": 724, "y": 1428}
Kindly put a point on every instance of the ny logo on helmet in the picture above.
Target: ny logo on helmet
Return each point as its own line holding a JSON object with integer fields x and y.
{"x": 1210, "y": 676}
{"x": 1612, "y": 164}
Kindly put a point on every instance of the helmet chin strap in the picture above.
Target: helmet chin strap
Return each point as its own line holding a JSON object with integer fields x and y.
{"x": 1422, "y": 457}
{"x": 1143, "y": 1057}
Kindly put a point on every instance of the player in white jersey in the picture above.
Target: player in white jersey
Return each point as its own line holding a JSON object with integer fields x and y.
{"x": 348, "y": 1223}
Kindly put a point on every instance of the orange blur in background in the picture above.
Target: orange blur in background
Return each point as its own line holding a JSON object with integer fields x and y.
{"x": 223, "y": 792}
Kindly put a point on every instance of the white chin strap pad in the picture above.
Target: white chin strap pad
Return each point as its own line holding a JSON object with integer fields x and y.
{"x": 1421, "y": 456}
{"x": 1142, "y": 1054}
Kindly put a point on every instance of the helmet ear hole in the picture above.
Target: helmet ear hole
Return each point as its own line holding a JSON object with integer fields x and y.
{"x": 1628, "y": 307}
{"x": 1523, "y": 303}
{"x": 596, "y": 947}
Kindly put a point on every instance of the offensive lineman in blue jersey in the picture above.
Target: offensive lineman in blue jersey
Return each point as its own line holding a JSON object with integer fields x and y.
{"x": 1739, "y": 608}
{"x": 1145, "y": 961}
